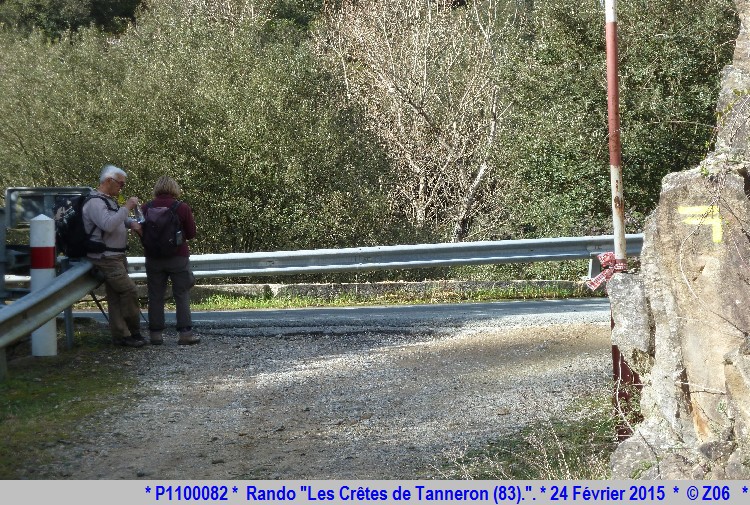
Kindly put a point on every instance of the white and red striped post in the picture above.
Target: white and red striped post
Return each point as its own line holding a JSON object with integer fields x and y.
{"x": 621, "y": 371}
{"x": 615, "y": 147}
{"x": 42, "y": 242}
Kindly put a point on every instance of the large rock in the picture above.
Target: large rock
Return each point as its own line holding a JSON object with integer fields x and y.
{"x": 683, "y": 323}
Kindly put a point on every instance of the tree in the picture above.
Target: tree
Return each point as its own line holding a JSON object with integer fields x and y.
{"x": 495, "y": 112}
{"x": 247, "y": 122}
{"x": 423, "y": 72}
{"x": 671, "y": 57}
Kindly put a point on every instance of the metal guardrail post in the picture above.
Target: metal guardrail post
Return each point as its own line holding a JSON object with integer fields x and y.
{"x": 3, "y": 293}
{"x": 68, "y": 312}
{"x": 595, "y": 266}
{"x": 3, "y": 258}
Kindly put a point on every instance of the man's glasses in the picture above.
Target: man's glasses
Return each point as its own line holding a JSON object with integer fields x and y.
{"x": 119, "y": 183}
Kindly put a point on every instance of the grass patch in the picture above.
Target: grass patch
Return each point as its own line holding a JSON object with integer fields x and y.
{"x": 44, "y": 399}
{"x": 520, "y": 291}
{"x": 576, "y": 446}
{"x": 242, "y": 302}
{"x": 343, "y": 295}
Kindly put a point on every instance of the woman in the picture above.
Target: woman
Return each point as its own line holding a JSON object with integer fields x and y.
{"x": 174, "y": 265}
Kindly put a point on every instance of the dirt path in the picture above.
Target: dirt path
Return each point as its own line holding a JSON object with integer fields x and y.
{"x": 354, "y": 406}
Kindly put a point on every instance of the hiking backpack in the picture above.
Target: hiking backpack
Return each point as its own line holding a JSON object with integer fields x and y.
{"x": 71, "y": 237}
{"x": 162, "y": 230}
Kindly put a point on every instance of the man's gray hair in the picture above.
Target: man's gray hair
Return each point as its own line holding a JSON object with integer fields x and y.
{"x": 110, "y": 171}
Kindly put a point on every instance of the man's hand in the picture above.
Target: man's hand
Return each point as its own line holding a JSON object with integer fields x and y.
{"x": 136, "y": 227}
{"x": 131, "y": 203}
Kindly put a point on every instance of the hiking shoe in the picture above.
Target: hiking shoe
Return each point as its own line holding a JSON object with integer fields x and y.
{"x": 156, "y": 337}
{"x": 187, "y": 338}
{"x": 129, "y": 342}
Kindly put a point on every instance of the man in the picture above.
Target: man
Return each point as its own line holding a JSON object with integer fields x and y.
{"x": 108, "y": 224}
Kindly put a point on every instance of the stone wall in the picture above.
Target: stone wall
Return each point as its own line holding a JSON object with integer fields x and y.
{"x": 683, "y": 322}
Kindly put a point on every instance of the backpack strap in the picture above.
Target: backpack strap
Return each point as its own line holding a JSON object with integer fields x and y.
{"x": 85, "y": 201}
{"x": 173, "y": 208}
{"x": 106, "y": 202}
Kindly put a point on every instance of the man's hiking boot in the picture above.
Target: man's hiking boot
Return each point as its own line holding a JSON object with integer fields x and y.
{"x": 129, "y": 341}
{"x": 187, "y": 338}
{"x": 156, "y": 338}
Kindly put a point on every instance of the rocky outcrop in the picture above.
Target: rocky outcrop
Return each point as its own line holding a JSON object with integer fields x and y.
{"x": 683, "y": 322}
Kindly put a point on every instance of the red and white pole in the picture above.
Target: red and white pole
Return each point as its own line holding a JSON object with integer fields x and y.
{"x": 615, "y": 148}
{"x": 622, "y": 373}
{"x": 42, "y": 242}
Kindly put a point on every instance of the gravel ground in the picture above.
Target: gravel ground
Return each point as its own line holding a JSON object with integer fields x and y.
{"x": 359, "y": 405}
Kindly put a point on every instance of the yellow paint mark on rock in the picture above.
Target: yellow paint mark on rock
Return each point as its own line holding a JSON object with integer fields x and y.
{"x": 704, "y": 215}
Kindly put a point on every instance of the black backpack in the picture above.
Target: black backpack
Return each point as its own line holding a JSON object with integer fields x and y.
{"x": 71, "y": 237}
{"x": 162, "y": 230}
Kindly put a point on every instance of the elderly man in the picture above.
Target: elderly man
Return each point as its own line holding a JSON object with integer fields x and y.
{"x": 108, "y": 224}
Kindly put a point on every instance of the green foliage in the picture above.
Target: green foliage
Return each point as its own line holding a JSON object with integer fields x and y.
{"x": 549, "y": 163}
{"x": 550, "y": 270}
{"x": 673, "y": 59}
{"x": 253, "y": 132}
{"x": 250, "y": 127}
{"x": 233, "y": 99}
{"x": 299, "y": 12}
{"x": 41, "y": 135}
{"x": 55, "y": 17}
{"x": 671, "y": 55}
{"x": 347, "y": 295}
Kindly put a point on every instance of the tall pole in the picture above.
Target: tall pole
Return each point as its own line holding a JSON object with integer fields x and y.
{"x": 615, "y": 159}
{"x": 622, "y": 373}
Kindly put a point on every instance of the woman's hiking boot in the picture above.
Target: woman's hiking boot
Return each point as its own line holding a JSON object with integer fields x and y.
{"x": 156, "y": 337}
{"x": 187, "y": 338}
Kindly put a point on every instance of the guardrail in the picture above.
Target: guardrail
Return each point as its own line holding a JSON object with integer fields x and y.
{"x": 33, "y": 310}
{"x": 360, "y": 259}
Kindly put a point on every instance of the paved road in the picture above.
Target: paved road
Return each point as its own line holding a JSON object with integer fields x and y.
{"x": 399, "y": 318}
